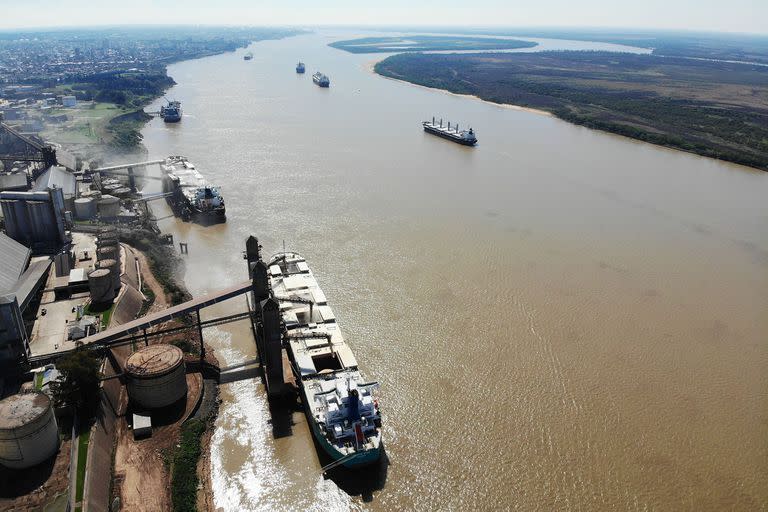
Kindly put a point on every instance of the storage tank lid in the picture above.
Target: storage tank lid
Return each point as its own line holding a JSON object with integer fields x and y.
{"x": 105, "y": 263}
{"x": 108, "y": 199}
{"x": 84, "y": 200}
{"x": 154, "y": 360}
{"x": 99, "y": 273}
{"x": 19, "y": 410}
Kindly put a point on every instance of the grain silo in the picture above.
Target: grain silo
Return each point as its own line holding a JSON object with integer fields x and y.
{"x": 156, "y": 376}
{"x": 85, "y": 208}
{"x": 122, "y": 192}
{"x": 28, "y": 431}
{"x": 101, "y": 286}
{"x": 114, "y": 271}
{"x": 108, "y": 252}
{"x": 109, "y": 206}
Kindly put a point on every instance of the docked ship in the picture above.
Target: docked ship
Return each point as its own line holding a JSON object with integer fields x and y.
{"x": 190, "y": 195}
{"x": 466, "y": 137}
{"x": 171, "y": 113}
{"x": 338, "y": 400}
{"x": 321, "y": 79}
{"x": 300, "y": 67}
{"x": 248, "y": 56}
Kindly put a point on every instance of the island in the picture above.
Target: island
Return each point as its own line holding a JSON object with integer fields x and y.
{"x": 713, "y": 108}
{"x": 422, "y": 43}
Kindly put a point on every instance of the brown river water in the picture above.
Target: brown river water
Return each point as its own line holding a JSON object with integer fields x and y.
{"x": 560, "y": 319}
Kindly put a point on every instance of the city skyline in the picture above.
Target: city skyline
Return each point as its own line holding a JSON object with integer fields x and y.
{"x": 739, "y": 16}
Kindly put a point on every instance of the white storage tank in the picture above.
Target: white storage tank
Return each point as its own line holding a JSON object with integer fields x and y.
{"x": 109, "y": 206}
{"x": 114, "y": 271}
{"x": 156, "y": 376}
{"x": 101, "y": 286}
{"x": 28, "y": 431}
{"x": 85, "y": 208}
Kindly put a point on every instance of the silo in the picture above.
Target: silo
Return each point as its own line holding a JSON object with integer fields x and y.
{"x": 156, "y": 376}
{"x": 122, "y": 192}
{"x": 42, "y": 223}
{"x": 108, "y": 252}
{"x": 108, "y": 230}
{"x": 109, "y": 206}
{"x": 114, "y": 270}
{"x": 85, "y": 208}
{"x": 110, "y": 189}
{"x": 28, "y": 431}
{"x": 101, "y": 286}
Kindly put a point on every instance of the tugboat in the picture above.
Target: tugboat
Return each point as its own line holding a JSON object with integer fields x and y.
{"x": 300, "y": 68}
{"x": 338, "y": 400}
{"x": 465, "y": 137}
{"x": 321, "y": 79}
{"x": 171, "y": 113}
{"x": 248, "y": 56}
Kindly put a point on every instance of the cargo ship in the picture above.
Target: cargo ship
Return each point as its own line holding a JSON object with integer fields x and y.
{"x": 248, "y": 56}
{"x": 171, "y": 113}
{"x": 465, "y": 137}
{"x": 339, "y": 402}
{"x": 321, "y": 79}
{"x": 300, "y": 68}
{"x": 190, "y": 195}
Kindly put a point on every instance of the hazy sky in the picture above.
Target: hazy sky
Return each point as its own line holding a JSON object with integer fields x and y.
{"x": 718, "y": 15}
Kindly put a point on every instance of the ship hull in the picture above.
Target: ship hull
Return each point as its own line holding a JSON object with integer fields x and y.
{"x": 362, "y": 459}
{"x": 448, "y": 136}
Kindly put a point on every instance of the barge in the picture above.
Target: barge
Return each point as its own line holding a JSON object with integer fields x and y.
{"x": 465, "y": 137}
{"x": 300, "y": 68}
{"x": 338, "y": 400}
{"x": 189, "y": 194}
{"x": 321, "y": 79}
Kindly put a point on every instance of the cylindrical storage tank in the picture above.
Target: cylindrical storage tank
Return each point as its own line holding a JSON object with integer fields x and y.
{"x": 106, "y": 240}
{"x": 110, "y": 189}
{"x": 101, "y": 286}
{"x": 114, "y": 269}
{"x": 85, "y": 208}
{"x": 28, "y": 431}
{"x": 156, "y": 376}
{"x": 122, "y": 192}
{"x": 107, "y": 252}
{"x": 109, "y": 206}
{"x": 43, "y": 224}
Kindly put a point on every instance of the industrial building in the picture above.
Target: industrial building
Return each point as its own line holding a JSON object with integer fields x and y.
{"x": 35, "y": 219}
{"x": 21, "y": 279}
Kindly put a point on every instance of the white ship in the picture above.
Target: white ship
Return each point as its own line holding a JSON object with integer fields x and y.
{"x": 339, "y": 402}
{"x": 190, "y": 193}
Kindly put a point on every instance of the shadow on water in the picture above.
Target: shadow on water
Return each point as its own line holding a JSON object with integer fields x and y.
{"x": 360, "y": 481}
{"x": 281, "y": 416}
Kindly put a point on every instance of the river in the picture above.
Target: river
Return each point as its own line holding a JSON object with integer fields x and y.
{"x": 560, "y": 319}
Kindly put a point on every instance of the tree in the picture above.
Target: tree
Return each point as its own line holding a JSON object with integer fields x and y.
{"x": 78, "y": 386}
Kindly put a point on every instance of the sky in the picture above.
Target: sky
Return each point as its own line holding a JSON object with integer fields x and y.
{"x": 708, "y": 15}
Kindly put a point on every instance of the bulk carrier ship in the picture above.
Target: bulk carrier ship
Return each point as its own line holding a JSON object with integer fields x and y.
{"x": 171, "y": 113}
{"x": 338, "y": 400}
{"x": 465, "y": 137}
{"x": 190, "y": 195}
{"x": 321, "y": 79}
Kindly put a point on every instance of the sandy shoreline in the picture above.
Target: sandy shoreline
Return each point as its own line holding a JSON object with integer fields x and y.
{"x": 370, "y": 66}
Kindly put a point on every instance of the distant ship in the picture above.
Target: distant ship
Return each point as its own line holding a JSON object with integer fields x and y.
{"x": 300, "y": 67}
{"x": 190, "y": 194}
{"x": 321, "y": 80}
{"x": 248, "y": 56}
{"x": 465, "y": 137}
{"x": 171, "y": 113}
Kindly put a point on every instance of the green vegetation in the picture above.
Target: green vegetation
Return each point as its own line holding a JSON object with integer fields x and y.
{"x": 714, "y": 109}
{"x": 78, "y": 387}
{"x": 82, "y": 458}
{"x": 427, "y": 43}
{"x": 184, "y": 479}
{"x": 105, "y": 315}
{"x": 130, "y": 89}
{"x": 126, "y": 130}
{"x": 39, "y": 381}
{"x": 163, "y": 262}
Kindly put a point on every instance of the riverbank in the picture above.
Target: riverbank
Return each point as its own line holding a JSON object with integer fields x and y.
{"x": 712, "y": 109}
